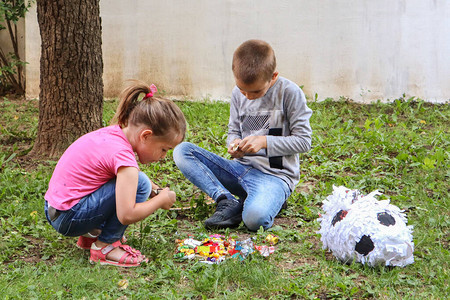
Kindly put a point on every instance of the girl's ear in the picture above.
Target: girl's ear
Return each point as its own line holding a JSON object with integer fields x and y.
{"x": 146, "y": 133}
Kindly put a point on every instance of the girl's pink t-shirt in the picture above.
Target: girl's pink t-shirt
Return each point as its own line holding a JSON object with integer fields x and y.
{"x": 87, "y": 164}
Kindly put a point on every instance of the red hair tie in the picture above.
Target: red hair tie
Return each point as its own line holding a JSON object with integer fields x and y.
{"x": 153, "y": 91}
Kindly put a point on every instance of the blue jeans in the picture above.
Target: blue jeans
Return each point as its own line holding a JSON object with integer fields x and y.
{"x": 98, "y": 211}
{"x": 262, "y": 194}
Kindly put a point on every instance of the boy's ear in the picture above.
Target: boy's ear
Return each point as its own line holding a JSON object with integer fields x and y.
{"x": 274, "y": 75}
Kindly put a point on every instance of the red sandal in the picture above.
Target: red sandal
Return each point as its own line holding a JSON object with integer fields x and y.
{"x": 128, "y": 259}
{"x": 85, "y": 242}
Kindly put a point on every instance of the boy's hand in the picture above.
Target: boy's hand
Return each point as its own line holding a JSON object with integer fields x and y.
{"x": 253, "y": 144}
{"x": 250, "y": 144}
{"x": 234, "y": 149}
{"x": 166, "y": 197}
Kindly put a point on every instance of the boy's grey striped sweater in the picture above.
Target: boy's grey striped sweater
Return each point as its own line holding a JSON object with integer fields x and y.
{"x": 283, "y": 116}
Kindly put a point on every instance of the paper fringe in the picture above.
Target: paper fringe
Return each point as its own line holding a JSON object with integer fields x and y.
{"x": 393, "y": 245}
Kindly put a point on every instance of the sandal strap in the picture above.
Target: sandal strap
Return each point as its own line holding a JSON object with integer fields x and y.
{"x": 130, "y": 256}
{"x": 129, "y": 249}
{"x": 105, "y": 250}
{"x": 117, "y": 243}
{"x": 129, "y": 259}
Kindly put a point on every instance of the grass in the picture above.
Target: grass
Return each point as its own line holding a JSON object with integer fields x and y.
{"x": 401, "y": 148}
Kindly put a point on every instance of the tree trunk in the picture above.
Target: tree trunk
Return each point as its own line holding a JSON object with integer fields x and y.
{"x": 71, "y": 67}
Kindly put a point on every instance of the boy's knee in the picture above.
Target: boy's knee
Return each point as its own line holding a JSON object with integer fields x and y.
{"x": 180, "y": 150}
{"x": 255, "y": 218}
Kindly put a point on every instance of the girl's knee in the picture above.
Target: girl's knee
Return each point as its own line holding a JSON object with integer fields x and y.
{"x": 144, "y": 181}
{"x": 144, "y": 187}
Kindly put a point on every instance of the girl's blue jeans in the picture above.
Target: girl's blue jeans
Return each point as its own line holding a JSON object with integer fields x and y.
{"x": 263, "y": 194}
{"x": 98, "y": 211}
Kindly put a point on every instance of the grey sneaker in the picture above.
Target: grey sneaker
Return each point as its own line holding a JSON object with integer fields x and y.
{"x": 228, "y": 214}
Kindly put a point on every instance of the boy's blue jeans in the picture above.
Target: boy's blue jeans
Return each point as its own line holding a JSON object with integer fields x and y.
{"x": 263, "y": 194}
{"x": 98, "y": 211}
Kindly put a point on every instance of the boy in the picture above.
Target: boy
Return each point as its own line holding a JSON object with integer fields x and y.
{"x": 268, "y": 127}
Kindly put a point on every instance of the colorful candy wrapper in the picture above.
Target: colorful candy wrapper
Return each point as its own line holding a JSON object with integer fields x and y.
{"x": 265, "y": 250}
{"x": 215, "y": 248}
{"x": 272, "y": 239}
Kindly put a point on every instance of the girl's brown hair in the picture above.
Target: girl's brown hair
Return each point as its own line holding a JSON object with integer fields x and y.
{"x": 161, "y": 115}
{"x": 254, "y": 60}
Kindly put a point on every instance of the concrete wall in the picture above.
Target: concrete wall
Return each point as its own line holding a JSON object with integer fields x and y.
{"x": 361, "y": 49}
{"x": 5, "y": 41}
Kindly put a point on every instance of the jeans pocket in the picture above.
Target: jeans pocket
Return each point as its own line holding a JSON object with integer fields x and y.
{"x": 62, "y": 222}
{"x": 77, "y": 227}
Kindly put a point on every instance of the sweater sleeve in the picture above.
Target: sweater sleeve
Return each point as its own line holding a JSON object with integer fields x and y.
{"x": 297, "y": 130}
{"x": 234, "y": 128}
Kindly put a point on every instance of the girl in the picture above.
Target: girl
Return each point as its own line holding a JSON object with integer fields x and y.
{"x": 97, "y": 190}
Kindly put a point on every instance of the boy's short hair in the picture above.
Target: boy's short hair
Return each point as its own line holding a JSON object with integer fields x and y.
{"x": 254, "y": 60}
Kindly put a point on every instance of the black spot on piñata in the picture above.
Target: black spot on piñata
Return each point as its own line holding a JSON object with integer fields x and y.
{"x": 339, "y": 216}
{"x": 365, "y": 245}
{"x": 385, "y": 219}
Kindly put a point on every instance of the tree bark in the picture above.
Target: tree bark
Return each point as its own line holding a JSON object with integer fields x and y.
{"x": 71, "y": 67}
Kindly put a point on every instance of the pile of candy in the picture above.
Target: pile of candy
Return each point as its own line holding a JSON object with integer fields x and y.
{"x": 215, "y": 248}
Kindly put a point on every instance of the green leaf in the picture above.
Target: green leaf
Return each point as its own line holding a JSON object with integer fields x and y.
{"x": 402, "y": 156}
{"x": 428, "y": 163}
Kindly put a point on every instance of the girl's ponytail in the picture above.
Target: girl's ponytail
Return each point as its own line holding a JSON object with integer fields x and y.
{"x": 163, "y": 116}
{"x": 127, "y": 102}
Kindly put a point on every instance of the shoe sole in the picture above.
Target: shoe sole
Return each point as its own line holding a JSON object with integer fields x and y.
{"x": 230, "y": 223}
{"x": 113, "y": 263}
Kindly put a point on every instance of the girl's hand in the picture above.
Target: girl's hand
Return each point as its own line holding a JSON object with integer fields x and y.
{"x": 128, "y": 211}
{"x": 166, "y": 197}
{"x": 155, "y": 191}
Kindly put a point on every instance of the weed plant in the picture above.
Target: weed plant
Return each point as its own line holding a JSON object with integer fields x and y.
{"x": 400, "y": 148}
